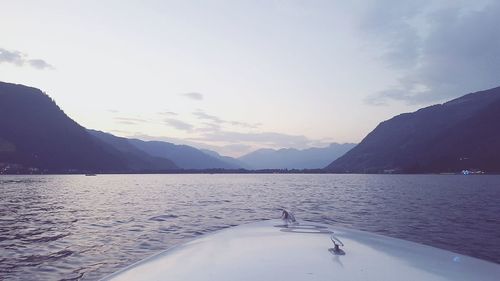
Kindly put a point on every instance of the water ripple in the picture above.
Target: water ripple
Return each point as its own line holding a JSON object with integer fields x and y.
{"x": 76, "y": 227}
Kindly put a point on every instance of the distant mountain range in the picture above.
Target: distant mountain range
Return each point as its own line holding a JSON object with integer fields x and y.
{"x": 290, "y": 158}
{"x": 229, "y": 160}
{"x": 461, "y": 134}
{"x": 139, "y": 160}
{"x": 184, "y": 156}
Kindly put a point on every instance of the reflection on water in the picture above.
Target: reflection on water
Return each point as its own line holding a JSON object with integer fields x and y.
{"x": 72, "y": 227}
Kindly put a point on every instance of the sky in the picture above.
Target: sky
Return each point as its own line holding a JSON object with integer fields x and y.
{"x": 234, "y": 76}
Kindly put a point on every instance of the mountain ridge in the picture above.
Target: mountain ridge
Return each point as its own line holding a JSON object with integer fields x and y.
{"x": 432, "y": 139}
{"x": 37, "y": 135}
{"x": 292, "y": 158}
{"x": 184, "y": 156}
{"x": 138, "y": 158}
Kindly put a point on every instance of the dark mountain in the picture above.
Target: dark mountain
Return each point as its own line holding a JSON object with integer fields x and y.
{"x": 36, "y": 133}
{"x": 461, "y": 134}
{"x": 290, "y": 158}
{"x": 184, "y": 156}
{"x": 237, "y": 164}
{"x": 137, "y": 159}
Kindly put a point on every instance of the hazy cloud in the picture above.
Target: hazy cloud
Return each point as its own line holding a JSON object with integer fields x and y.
{"x": 200, "y": 114}
{"x": 193, "y": 95}
{"x": 212, "y": 132}
{"x": 39, "y": 64}
{"x": 130, "y": 121}
{"x": 178, "y": 124}
{"x": 120, "y": 132}
{"x": 237, "y": 147}
{"x": 209, "y": 127}
{"x": 13, "y": 57}
{"x": 262, "y": 138}
{"x": 245, "y": 125}
{"x": 442, "y": 51}
{"x": 168, "y": 113}
{"x": 20, "y": 59}
{"x": 233, "y": 150}
{"x": 203, "y": 115}
{"x": 390, "y": 29}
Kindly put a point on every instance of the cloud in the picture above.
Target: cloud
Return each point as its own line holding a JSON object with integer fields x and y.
{"x": 214, "y": 131}
{"x": 200, "y": 114}
{"x": 178, "y": 124}
{"x": 203, "y": 115}
{"x": 13, "y": 57}
{"x": 120, "y": 132}
{"x": 235, "y": 148}
{"x": 245, "y": 125}
{"x": 209, "y": 127}
{"x": 232, "y": 150}
{"x": 130, "y": 121}
{"x": 441, "y": 51}
{"x": 20, "y": 59}
{"x": 39, "y": 64}
{"x": 193, "y": 95}
{"x": 271, "y": 139}
{"x": 168, "y": 113}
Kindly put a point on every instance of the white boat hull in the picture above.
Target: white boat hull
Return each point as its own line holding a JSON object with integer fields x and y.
{"x": 261, "y": 251}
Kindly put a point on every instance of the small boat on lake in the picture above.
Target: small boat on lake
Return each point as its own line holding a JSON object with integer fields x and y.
{"x": 90, "y": 175}
{"x": 290, "y": 250}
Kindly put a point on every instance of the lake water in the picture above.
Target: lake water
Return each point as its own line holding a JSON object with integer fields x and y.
{"x": 73, "y": 227}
